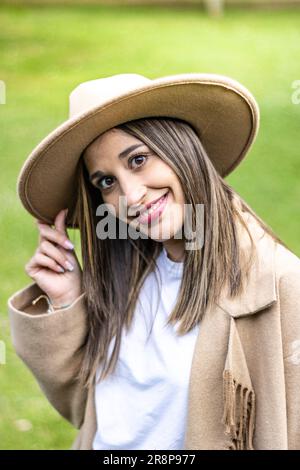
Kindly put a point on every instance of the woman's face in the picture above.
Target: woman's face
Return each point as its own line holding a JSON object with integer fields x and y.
{"x": 130, "y": 176}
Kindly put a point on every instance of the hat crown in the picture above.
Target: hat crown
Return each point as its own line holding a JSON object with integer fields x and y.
{"x": 97, "y": 92}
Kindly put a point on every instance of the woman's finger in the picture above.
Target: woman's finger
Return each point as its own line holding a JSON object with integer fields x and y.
{"x": 48, "y": 249}
{"x": 38, "y": 223}
{"x": 42, "y": 261}
{"x": 55, "y": 236}
{"x": 59, "y": 222}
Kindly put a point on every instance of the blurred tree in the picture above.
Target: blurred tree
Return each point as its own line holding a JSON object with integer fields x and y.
{"x": 215, "y": 7}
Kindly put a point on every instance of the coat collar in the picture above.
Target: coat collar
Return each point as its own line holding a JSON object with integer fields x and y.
{"x": 260, "y": 288}
{"x": 233, "y": 403}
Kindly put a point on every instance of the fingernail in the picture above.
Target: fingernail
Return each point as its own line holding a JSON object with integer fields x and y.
{"x": 61, "y": 270}
{"x": 69, "y": 266}
{"x": 68, "y": 245}
{"x": 66, "y": 212}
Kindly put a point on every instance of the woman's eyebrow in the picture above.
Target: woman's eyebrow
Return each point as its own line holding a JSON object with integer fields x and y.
{"x": 130, "y": 149}
{"x": 123, "y": 154}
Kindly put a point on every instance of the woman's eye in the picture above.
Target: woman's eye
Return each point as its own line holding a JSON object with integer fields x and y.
{"x": 139, "y": 159}
{"x": 99, "y": 183}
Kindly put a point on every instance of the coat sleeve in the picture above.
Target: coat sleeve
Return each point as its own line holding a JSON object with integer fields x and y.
{"x": 51, "y": 345}
{"x": 289, "y": 295}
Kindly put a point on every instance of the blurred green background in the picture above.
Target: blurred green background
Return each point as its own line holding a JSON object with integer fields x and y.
{"x": 47, "y": 51}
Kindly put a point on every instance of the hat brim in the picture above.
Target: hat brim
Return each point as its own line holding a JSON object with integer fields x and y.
{"x": 224, "y": 114}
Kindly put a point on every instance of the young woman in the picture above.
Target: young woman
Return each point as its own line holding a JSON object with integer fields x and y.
{"x": 174, "y": 332}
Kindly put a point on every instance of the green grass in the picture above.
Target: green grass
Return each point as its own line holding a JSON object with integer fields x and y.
{"x": 46, "y": 52}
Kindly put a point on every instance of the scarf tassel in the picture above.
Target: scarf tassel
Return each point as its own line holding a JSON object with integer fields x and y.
{"x": 239, "y": 413}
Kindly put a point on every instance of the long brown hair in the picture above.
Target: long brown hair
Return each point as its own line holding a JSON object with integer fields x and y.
{"x": 115, "y": 269}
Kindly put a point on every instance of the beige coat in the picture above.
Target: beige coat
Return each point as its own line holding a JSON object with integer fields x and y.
{"x": 244, "y": 389}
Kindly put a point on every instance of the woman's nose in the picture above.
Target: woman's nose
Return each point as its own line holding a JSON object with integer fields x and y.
{"x": 133, "y": 193}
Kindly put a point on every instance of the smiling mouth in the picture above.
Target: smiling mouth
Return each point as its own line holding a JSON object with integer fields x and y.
{"x": 150, "y": 205}
{"x": 154, "y": 211}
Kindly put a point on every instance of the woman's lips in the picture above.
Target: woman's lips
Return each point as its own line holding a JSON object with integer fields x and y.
{"x": 146, "y": 218}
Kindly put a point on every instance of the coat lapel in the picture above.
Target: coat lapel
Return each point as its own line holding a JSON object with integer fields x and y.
{"x": 260, "y": 288}
{"x": 221, "y": 409}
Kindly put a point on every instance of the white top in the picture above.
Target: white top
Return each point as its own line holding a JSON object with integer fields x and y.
{"x": 144, "y": 404}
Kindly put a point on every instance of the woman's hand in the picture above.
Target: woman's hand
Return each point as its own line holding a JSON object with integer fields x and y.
{"x": 54, "y": 266}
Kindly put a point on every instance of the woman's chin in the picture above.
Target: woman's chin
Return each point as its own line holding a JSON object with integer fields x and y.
{"x": 159, "y": 233}
{"x": 160, "y": 230}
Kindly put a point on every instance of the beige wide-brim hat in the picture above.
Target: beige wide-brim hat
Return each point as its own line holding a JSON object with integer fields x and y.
{"x": 223, "y": 112}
